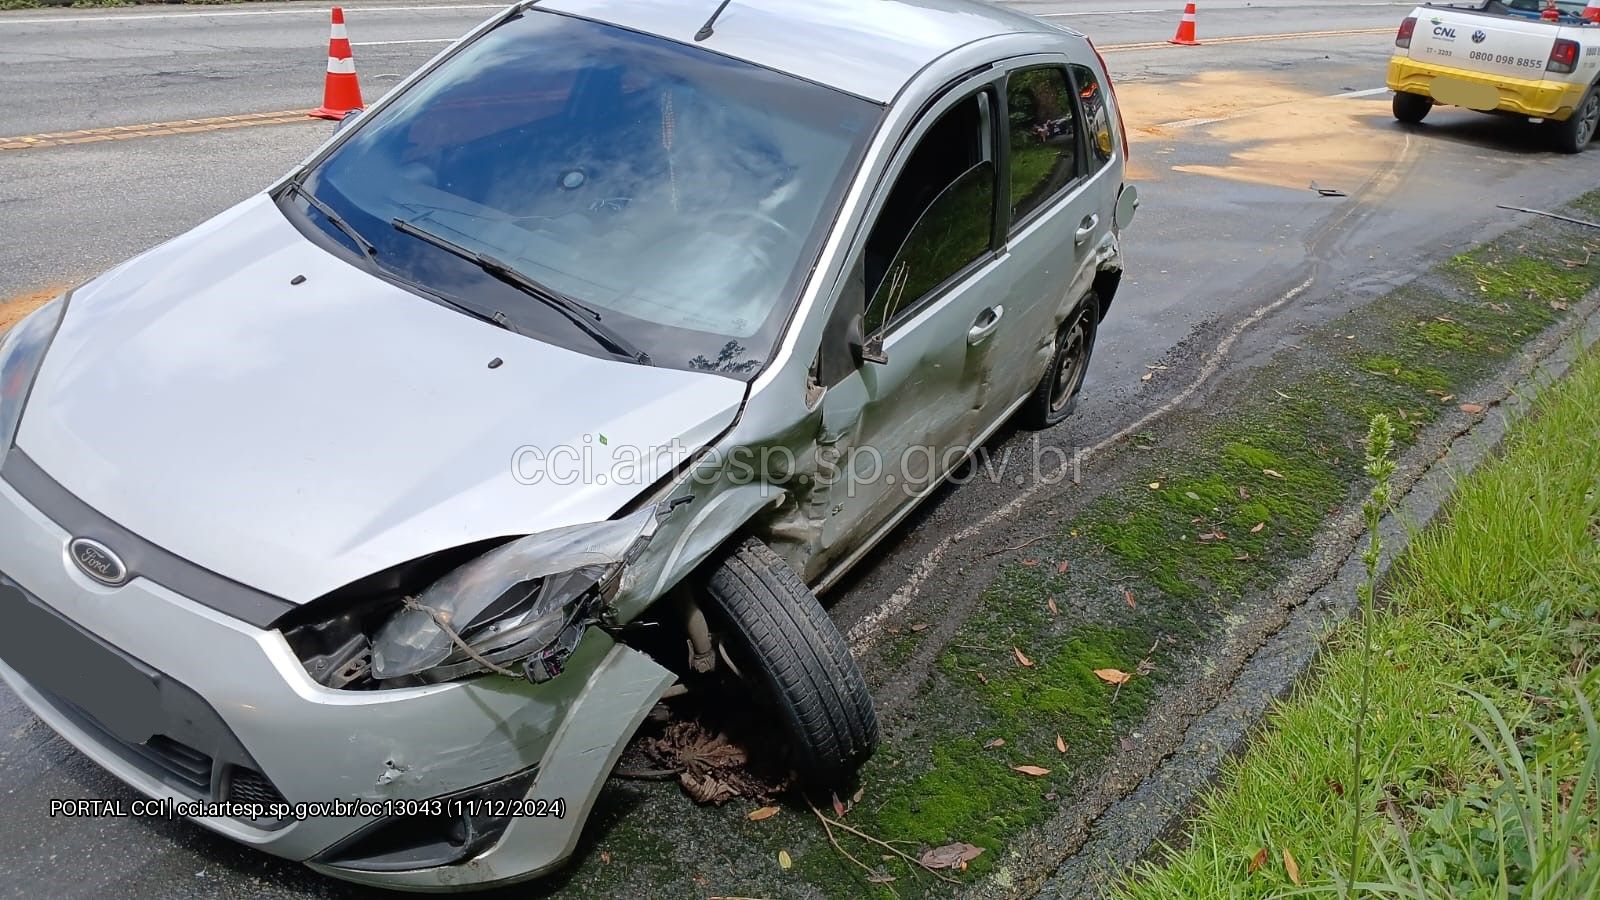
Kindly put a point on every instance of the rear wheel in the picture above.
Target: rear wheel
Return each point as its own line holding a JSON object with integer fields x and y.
{"x": 1573, "y": 134}
{"x": 1056, "y": 395}
{"x": 783, "y": 643}
{"x": 1411, "y": 108}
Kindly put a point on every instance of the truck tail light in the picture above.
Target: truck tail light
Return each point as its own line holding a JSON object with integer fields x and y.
{"x": 1121, "y": 125}
{"x": 1402, "y": 38}
{"x": 1563, "y": 57}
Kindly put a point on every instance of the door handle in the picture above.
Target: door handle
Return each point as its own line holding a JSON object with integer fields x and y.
{"x": 985, "y": 324}
{"x": 1086, "y": 228}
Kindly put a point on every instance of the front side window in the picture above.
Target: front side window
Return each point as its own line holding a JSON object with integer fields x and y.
{"x": 1042, "y": 126}
{"x": 1096, "y": 117}
{"x": 678, "y": 195}
{"x": 938, "y": 218}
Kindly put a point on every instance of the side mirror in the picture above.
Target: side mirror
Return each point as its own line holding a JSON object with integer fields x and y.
{"x": 868, "y": 350}
{"x": 348, "y": 118}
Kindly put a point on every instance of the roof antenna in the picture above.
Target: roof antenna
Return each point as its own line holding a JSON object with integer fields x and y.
{"x": 705, "y": 30}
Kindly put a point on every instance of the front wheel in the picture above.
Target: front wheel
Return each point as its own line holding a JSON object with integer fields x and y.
{"x": 783, "y": 643}
{"x": 1056, "y": 395}
{"x": 1573, "y": 134}
{"x": 1411, "y": 108}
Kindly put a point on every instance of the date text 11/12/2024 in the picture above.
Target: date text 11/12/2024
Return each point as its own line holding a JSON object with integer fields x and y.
{"x": 167, "y": 808}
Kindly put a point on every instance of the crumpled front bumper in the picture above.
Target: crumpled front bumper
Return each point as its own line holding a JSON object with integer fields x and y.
{"x": 1529, "y": 97}
{"x": 312, "y": 743}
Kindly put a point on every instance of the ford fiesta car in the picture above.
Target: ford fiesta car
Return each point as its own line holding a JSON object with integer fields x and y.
{"x": 541, "y": 391}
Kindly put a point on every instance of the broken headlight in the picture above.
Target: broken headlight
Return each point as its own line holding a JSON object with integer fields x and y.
{"x": 22, "y": 352}
{"x": 519, "y": 609}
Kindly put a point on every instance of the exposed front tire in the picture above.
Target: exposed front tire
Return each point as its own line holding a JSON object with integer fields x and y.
{"x": 783, "y": 644}
{"x": 1573, "y": 134}
{"x": 1056, "y": 395}
{"x": 1411, "y": 108}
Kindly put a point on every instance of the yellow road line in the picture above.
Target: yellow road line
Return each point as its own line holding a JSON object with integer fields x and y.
{"x": 283, "y": 117}
{"x": 152, "y": 129}
{"x": 1247, "y": 39}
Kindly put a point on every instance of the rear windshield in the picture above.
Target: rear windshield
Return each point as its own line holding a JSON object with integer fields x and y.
{"x": 679, "y": 194}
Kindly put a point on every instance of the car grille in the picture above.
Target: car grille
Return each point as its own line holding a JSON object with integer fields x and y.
{"x": 186, "y": 765}
{"x": 250, "y": 786}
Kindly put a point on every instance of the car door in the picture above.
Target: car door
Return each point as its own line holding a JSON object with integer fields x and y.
{"x": 1061, "y": 195}
{"x": 922, "y": 318}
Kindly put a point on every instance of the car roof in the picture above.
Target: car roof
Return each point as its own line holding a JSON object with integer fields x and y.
{"x": 869, "y": 48}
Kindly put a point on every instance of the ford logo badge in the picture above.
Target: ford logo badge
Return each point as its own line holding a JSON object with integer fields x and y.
{"x": 98, "y": 562}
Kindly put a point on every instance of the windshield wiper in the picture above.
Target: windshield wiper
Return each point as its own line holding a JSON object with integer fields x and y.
{"x": 367, "y": 249}
{"x": 586, "y": 319}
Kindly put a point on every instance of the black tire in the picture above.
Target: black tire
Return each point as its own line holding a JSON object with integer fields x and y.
{"x": 1411, "y": 108}
{"x": 1573, "y": 134}
{"x": 1056, "y": 395}
{"x": 783, "y": 642}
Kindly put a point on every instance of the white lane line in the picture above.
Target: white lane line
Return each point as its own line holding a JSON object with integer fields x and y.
{"x": 1099, "y": 12}
{"x": 304, "y": 11}
{"x": 1194, "y": 123}
{"x": 391, "y": 43}
{"x": 866, "y": 632}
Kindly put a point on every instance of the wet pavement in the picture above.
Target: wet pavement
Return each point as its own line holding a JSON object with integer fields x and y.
{"x": 1227, "y": 142}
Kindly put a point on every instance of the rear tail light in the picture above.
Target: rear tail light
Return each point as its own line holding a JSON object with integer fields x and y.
{"x": 1563, "y": 57}
{"x": 1111, "y": 89}
{"x": 1402, "y": 38}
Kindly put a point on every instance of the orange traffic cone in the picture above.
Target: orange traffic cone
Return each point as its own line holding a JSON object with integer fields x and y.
{"x": 1591, "y": 13}
{"x": 1185, "y": 33}
{"x": 341, "y": 92}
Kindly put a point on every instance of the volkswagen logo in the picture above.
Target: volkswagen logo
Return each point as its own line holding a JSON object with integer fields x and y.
{"x": 98, "y": 561}
{"x": 1479, "y": 36}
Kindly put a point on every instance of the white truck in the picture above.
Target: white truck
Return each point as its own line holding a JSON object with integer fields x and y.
{"x": 1517, "y": 58}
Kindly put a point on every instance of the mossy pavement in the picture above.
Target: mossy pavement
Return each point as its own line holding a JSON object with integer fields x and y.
{"x": 1218, "y": 504}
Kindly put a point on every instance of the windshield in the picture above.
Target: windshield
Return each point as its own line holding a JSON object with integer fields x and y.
{"x": 678, "y": 195}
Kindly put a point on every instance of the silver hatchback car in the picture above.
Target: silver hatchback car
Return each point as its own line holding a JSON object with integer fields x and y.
{"x": 366, "y": 522}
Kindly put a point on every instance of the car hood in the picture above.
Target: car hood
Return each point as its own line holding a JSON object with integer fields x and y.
{"x": 297, "y": 438}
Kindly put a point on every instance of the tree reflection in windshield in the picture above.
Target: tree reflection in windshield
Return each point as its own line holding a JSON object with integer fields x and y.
{"x": 679, "y": 193}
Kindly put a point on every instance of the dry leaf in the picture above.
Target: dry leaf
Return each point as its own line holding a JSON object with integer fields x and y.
{"x": 1035, "y": 771}
{"x": 1061, "y": 745}
{"x": 1155, "y": 485}
{"x": 1259, "y": 860}
{"x": 1022, "y": 658}
{"x": 1291, "y": 867}
{"x": 1127, "y": 745}
{"x": 605, "y": 856}
{"x": 1050, "y": 604}
{"x": 950, "y": 856}
{"x": 860, "y": 792}
{"x": 838, "y": 807}
{"x": 1191, "y": 495}
{"x": 1273, "y": 473}
{"x": 1147, "y": 376}
{"x": 993, "y": 743}
{"x": 785, "y": 861}
{"x": 1256, "y": 529}
{"x": 1062, "y": 567}
{"x": 1030, "y": 563}
{"x": 920, "y": 626}
{"x": 765, "y": 812}
{"x": 1113, "y": 676}
{"x": 1127, "y": 597}
{"x": 881, "y": 879}
{"x": 1471, "y": 409}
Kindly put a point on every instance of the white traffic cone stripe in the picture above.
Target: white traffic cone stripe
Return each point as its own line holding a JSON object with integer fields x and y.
{"x": 337, "y": 66}
{"x": 338, "y": 31}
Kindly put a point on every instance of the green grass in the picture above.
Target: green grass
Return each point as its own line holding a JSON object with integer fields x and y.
{"x": 1502, "y": 599}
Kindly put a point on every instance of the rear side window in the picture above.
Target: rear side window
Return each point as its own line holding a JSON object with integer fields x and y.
{"x": 938, "y": 218}
{"x": 1042, "y": 125}
{"x": 1097, "y": 119}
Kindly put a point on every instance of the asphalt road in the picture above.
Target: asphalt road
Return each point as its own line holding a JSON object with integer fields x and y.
{"x": 1227, "y": 142}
